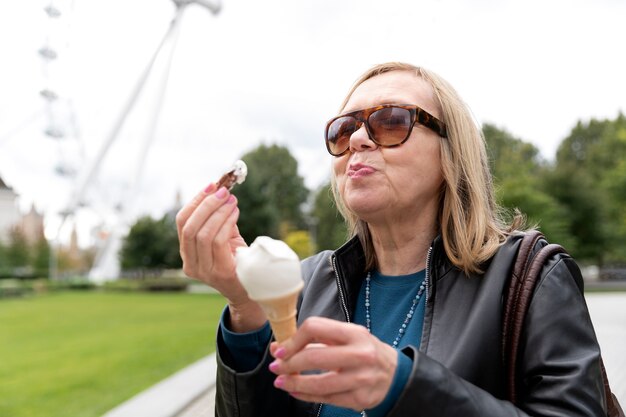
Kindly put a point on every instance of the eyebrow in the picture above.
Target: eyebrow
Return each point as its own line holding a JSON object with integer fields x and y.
{"x": 387, "y": 103}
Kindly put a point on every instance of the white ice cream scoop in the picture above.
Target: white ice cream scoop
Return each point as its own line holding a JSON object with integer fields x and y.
{"x": 268, "y": 269}
{"x": 270, "y": 272}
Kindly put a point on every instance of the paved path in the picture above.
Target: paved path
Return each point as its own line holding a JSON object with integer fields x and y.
{"x": 174, "y": 394}
{"x": 204, "y": 406}
{"x": 608, "y": 313}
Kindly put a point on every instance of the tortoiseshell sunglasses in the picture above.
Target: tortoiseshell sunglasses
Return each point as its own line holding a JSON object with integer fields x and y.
{"x": 387, "y": 125}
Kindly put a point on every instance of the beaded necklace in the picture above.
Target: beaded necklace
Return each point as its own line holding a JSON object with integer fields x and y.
{"x": 408, "y": 317}
{"x": 403, "y": 327}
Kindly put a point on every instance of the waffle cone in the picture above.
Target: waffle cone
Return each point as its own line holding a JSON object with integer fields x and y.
{"x": 281, "y": 313}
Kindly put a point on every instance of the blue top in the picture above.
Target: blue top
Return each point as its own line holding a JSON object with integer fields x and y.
{"x": 391, "y": 298}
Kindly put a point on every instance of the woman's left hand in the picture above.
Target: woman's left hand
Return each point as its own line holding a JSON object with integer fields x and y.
{"x": 357, "y": 368}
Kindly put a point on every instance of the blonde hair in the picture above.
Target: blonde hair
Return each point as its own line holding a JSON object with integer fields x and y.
{"x": 470, "y": 221}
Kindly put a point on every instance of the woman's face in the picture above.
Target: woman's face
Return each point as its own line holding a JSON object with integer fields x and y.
{"x": 386, "y": 184}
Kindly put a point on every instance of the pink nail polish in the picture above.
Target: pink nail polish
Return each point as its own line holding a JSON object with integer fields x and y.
{"x": 280, "y": 353}
{"x": 273, "y": 366}
{"x": 231, "y": 199}
{"x": 221, "y": 193}
{"x": 279, "y": 382}
{"x": 209, "y": 188}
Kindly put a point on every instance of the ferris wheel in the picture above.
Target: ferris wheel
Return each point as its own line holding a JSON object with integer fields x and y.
{"x": 106, "y": 264}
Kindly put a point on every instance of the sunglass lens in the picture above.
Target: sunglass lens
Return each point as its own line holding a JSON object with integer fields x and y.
{"x": 390, "y": 126}
{"x": 339, "y": 132}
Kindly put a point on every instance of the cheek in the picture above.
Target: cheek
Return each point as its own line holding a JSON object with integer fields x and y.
{"x": 339, "y": 169}
{"x": 339, "y": 164}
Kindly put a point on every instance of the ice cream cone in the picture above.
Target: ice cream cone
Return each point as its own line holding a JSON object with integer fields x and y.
{"x": 270, "y": 272}
{"x": 281, "y": 313}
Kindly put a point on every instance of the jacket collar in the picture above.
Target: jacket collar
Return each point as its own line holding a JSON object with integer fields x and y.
{"x": 348, "y": 262}
{"x": 349, "y": 265}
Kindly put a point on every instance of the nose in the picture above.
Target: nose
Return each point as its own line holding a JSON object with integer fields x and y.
{"x": 360, "y": 140}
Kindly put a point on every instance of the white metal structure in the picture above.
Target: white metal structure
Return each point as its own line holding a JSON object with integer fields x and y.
{"x": 106, "y": 265}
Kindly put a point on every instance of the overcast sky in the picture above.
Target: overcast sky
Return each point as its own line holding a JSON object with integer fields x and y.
{"x": 273, "y": 72}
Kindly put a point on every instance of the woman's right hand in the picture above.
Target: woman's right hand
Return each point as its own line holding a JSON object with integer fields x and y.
{"x": 208, "y": 236}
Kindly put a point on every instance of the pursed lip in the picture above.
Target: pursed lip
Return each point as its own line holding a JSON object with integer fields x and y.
{"x": 359, "y": 170}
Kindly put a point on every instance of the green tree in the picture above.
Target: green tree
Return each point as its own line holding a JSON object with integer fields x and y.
{"x": 171, "y": 259}
{"x": 41, "y": 257}
{"x": 18, "y": 251}
{"x": 277, "y": 172}
{"x": 258, "y": 216}
{"x": 272, "y": 194}
{"x": 519, "y": 176}
{"x": 151, "y": 244}
{"x": 590, "y": 171}
{"x": 5, "y": 270}
{"x": 575, "y": 191}
{"x": 330, "y": 228}
{"x": 510, "y": 157}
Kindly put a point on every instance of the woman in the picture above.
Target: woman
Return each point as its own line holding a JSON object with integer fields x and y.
{"x": 405, "y": 318}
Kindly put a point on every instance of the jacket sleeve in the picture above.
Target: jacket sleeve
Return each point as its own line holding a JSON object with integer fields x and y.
{"x": 559, "y": 363}
{"x": 251, "y": 393}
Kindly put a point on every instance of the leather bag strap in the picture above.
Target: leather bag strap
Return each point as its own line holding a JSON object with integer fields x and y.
{"x": 526, "y": 273}
{"x": 529, "y": 240}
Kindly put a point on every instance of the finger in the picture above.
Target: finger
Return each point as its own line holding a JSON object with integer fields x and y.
{"x": 355, "y": 390}
{"x": 274, "y": 346}
{"x": 222, "y": 248}
{"x": 201, "y": 214}
{"x": 183, "y": 214}
{"x": 198, "y": 219}
{"x": 236, "y": 236}
{"x": 323, "y": 330}
{"x": 212, "y": 237}
{"x": 328, "y": 358}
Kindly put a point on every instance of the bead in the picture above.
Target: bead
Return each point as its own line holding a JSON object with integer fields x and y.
{"x": 409, "y": 315}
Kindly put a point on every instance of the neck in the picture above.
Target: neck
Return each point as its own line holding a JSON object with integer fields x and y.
{"x": 402, "y": 250}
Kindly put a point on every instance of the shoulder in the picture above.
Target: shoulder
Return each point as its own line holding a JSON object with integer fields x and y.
{"x": 545, "y": 259}
{"x": 314, "y": 264}
{"x": 523, "y": 251}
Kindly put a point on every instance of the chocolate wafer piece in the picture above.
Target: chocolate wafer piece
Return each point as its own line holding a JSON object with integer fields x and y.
{"x": 236, "y": 175}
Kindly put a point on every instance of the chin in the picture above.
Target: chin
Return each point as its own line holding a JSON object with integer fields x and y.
{"x": 363, "y": 207}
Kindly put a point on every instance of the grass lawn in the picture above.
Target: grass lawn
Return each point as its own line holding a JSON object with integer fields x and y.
{"x": 79, "y": 354}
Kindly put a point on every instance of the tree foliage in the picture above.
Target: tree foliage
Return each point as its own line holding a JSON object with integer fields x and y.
{"x": 580, "y": 199}
{"x": 519, "y": 176}
{"x": 18, "y": 250}
{"x": 41, "y": 257}
{"x": 330, "y": 228}
{"x": 19, "y": 257}
{"x": 258, "y": 216}
{"x": 151, "y": 244}
{"x": 301, "y": 243}
{"x": 590, "y": 179}
{"x": 272, "y": 194}
{"x": 5, "y": 270}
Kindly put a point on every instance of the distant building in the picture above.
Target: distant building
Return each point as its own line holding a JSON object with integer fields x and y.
{"x": 31, "y": 224}
{"x": 10, "y": 215}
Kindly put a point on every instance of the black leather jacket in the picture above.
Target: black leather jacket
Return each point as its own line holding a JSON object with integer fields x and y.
{"x": 457, "y": 370}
